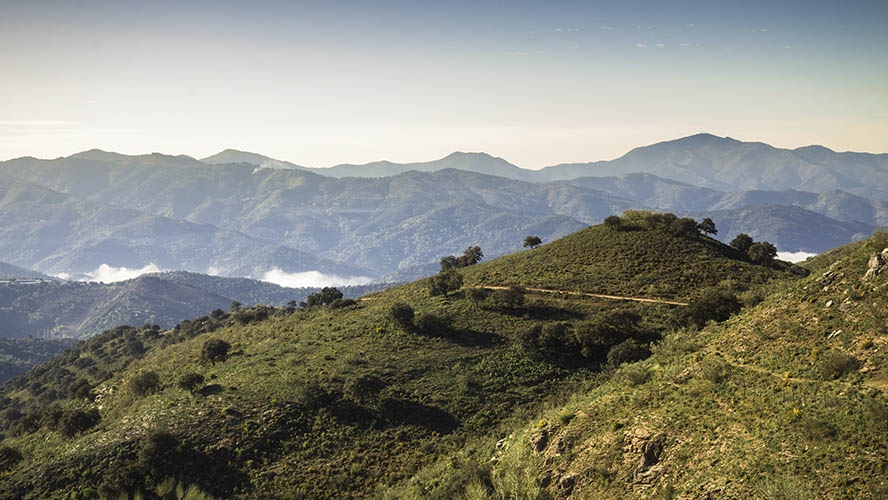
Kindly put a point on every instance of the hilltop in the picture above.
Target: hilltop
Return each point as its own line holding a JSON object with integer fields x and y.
{"x": 352, "y": 398}
{"x": 781, "y": 401}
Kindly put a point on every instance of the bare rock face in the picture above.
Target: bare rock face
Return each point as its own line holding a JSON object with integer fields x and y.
{"x": 876, "y": 265}
{"x": 540, "y": 440}
{"x": 649, "y": 468}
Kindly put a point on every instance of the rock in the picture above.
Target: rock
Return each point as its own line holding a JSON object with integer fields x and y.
{"x": 847, "y": 305}
{"x": 874, "y": 266}
{"x": 649, "y": 468}
{"x": 829, "y": 303}
{"x": 834, "y": 334}
{"x": 568, "y": 482}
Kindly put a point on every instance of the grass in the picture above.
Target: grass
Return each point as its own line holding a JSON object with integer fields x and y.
{"x": 281, "y": 418}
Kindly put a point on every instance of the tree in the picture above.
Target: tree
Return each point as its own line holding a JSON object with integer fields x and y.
{"x": 330, "y": 294}
{"x": 683, "y": 226}
{"x": 713, "y": 304}
{"x": 144, "y": 384}
{"x": 762, "y": 253}
{"x": 191, "y": 381}
{"x": 75, "y": 421}
{"x": 707, "y": 226}
{"x": 445, "y": 282}
{"x": 313, "y": 300}
{"x": 742, "y": 242}
{"x": 613, "y": 222}
{"x": 449, "y": 263}
{"x": 235, "y": 306}
{"x": 532, "y": 242}
{"x": 471, "y": 256}
{"x": 215, "y": 350}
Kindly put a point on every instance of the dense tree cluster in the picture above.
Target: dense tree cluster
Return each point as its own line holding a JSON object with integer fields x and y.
{"x": 470, "y": 257}
{"x": 757, "y": 252}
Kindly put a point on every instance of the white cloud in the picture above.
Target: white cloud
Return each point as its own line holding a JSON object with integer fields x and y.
{"x": 311, "y": 279}
{"x": 108, "y": 274}
{"x": 692, "y": 25}
{"x": 794, "y": 256}
{"x": 684, "y": 44}
{"x": 661, "y": 45}
{"x": 607, "y": 28}
{"x": 641, "y": 45}
{"x": 213, "y": 271}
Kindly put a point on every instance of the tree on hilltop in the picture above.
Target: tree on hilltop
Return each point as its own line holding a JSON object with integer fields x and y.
{"x": 707, "y": 226}
{"x": 532, "y": 242}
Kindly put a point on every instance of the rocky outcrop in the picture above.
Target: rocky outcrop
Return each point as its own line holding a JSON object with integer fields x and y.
{"x": 876, "y": 265}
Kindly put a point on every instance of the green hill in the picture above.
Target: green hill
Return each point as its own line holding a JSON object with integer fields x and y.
{"x": 785, "y": 400}
{"x": 352, "y": 399}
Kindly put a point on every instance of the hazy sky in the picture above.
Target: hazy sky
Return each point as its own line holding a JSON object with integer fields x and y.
{"x": 538, "y": 83}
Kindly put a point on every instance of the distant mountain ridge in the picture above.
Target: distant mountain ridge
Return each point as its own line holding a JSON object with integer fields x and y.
{"x": 703, "y": 160}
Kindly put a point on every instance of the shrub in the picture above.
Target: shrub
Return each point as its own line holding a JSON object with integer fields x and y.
{"x": 159, "y": 453}
{"x": 9, "y": 457}
{"x": 191, "y": 381}
{"x": 144, "y": 384}
{"x": 634, "y": 374}
{"x": 533, "y": 241}
{"x": 675, "y": 344}
{"x": 215, "y": 350}
{"x": 313, "y": 396}
{"x": 476, "y": 295}
{"x": 741, "y": 243}
{"x": 683, "y": 227}
{"x": 81, "y": 389}
{"x": 751, "y": 298}
{"x": 76, "y": 421}
{"x": 613, "y": 222}
{"x": 628, "y": 351}
{"x": 330, "y": 295}
{"x": 401, "y": 315}
{"x": 834, "y": 363}
{"x": 363, "y": 389}
{"x": 714, "y": 304}
{"x": 510, "y": 298}
{"x": 445, "y": 282}
{"x": 713, "y": 370}
{"x": 430, "y": 324}
{"x": 342, "y": 303}
{"x": 314, "y": 300}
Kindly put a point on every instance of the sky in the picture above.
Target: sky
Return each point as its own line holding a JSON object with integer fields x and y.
{"x": 538, "y": 83}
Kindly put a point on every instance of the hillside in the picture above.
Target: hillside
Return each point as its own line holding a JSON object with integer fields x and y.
{"x": 77, "y": 309}
{"x": 786, "y": 400}
{"x": 56, "y": 232}
{"x": 343, "y": 401}
{"x": 789, "y": 228}
{"x": 9, "y": 271}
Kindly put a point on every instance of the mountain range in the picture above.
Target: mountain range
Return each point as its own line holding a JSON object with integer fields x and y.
{"x": 243, "y": 214}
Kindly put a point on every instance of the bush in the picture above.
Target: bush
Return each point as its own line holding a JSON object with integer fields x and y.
{"x": 191, "y": 381}
{"x": 314, "y": 300}
{"x": 628, "y": 351}
{"x": 330, "y": 295}
{"x": 675, "y": 344}
{"x": 714, "y": 304}
{"x": 683, "y": 227}
{"x": 313, "y": 396}
{"x": 714, "y": 370}
{"x": 834, "y": 363}
{"x": 476, "y": 295}
{"x": 751, "y": 298}
{"x": 342, "y": 303}
{"x": 431, "y": 325}
{"x": 9, "y": 457}
{"x": 81, "y": 389}
{"x": 445, "y": 282}
{"x": 215, "y": 350}
{"x": 144, "y": 384}
{"x": 363, "y": 389}
{"x": 76, "y": 421}
{"x": 401, "y": 315}
{"x": 635, "y": 374}
{"x": 613, "y": 222}
{"x": 159, "y": 453}
{"x": 510, "y": 298}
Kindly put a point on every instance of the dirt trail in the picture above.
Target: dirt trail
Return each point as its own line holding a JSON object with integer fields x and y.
{"x": 597, "y": 295}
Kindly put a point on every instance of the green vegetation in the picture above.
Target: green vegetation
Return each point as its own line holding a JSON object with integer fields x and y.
{"x": 375, "y": 398}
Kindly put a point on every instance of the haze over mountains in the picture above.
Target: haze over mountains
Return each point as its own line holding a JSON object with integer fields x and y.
{"x": 244, "y": 214}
